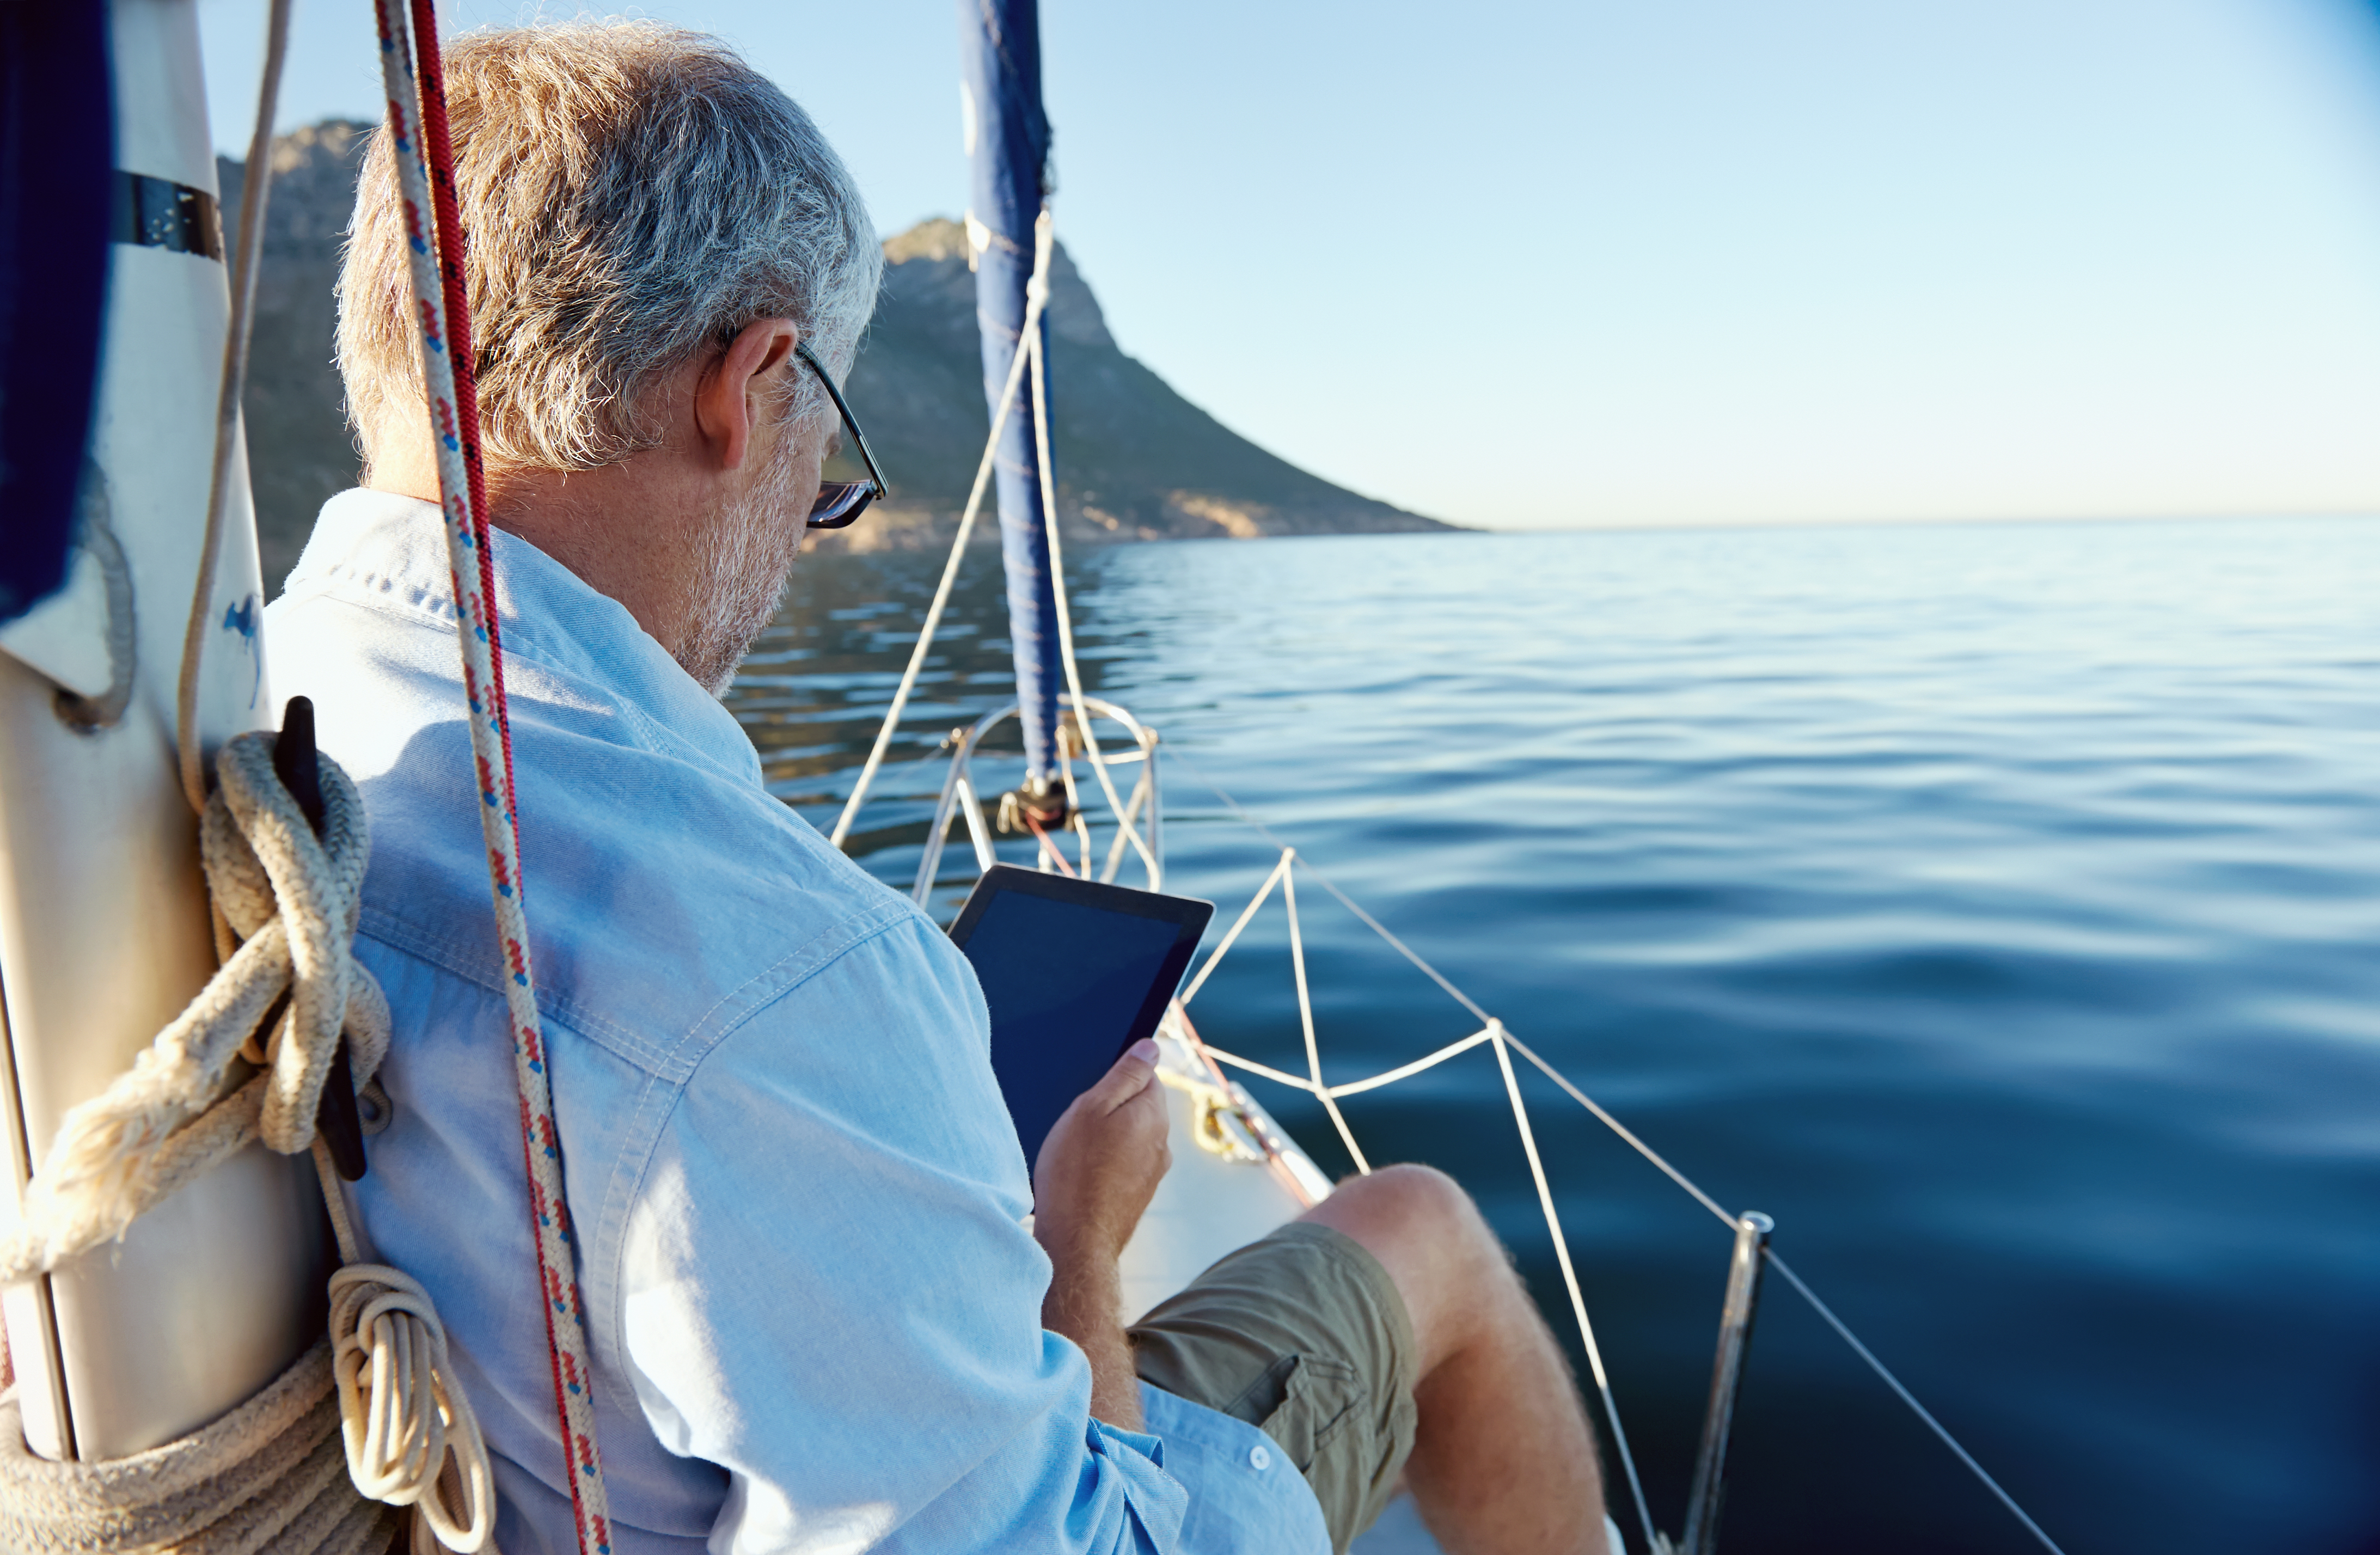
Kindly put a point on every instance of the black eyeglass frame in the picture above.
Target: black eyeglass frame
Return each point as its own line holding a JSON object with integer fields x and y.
{"x": 833, "y": 495}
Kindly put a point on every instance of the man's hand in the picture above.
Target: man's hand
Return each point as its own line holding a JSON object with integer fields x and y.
{"x": 1101, "y": 1161}
{"x": 1097, "y": 1170}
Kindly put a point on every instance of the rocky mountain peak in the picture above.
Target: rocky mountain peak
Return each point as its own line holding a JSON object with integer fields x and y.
{"x": 1136, "y": 461}
{"x": 931, "y": 257}
{"x": 935, "y": 238}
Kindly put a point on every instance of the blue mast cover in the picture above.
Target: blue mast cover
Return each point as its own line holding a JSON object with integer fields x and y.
{"x": 1008, "y": 145}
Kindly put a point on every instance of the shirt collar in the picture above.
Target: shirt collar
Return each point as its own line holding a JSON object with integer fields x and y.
{"x": 388, "y": 550}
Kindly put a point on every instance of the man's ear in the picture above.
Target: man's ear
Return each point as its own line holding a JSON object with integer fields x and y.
{"x": 733, "y": 394}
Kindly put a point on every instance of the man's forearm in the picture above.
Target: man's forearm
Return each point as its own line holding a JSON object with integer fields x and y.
{"x": 1095, "y": 1174}
{"x": 1086, "y": 1303}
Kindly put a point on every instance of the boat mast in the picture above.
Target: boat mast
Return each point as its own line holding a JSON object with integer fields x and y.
{"x": 1008, "y": 146}
{"x": 104, "y": 935}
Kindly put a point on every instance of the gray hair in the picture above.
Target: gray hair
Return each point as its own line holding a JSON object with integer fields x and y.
{"x": 631, "y": 194}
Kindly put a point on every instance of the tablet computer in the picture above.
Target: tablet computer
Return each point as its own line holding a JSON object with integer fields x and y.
{"x": 1074, "y": 972}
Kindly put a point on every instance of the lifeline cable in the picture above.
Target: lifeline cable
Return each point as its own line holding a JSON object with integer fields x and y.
{"x": 443, "y": 308}
{"x": 1037, "y": 292}
{"x": 1503, "y": 1040}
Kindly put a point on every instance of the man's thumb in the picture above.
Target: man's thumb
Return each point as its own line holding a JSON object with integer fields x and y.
{"x": 1130, "y": 1077}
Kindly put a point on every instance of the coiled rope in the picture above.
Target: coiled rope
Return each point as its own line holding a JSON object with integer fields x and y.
{"x": 267, "y": 1478}
{"x": 294, "y": 900}
{"x": 411, "y": 1439}
{"x": 377, "y": 1393}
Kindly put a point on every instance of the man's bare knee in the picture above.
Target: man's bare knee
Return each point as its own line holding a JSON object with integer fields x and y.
{"x": 1435, "y": 1245}
{"x": 1494, "y": 1406}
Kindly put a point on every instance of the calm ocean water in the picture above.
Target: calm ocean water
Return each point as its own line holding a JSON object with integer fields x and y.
{"x": 1996, "y": 906}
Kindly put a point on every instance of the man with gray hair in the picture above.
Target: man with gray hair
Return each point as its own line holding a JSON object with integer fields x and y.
{"x": 816, "y": 1318}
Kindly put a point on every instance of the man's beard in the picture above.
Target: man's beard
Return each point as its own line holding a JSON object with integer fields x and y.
{"x": 741, "y": 574}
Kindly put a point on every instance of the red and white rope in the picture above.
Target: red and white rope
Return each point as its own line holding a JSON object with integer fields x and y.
{"x": 425, "y": 168}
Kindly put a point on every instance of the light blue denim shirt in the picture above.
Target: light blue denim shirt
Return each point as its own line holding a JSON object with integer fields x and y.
{"x": 814, "y": 1313}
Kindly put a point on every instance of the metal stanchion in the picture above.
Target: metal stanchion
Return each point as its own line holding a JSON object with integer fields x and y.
{"x": 1727, "y": 1380}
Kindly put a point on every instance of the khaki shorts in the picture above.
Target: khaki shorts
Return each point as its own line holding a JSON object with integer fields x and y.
{"x": 1304, "y": 1335}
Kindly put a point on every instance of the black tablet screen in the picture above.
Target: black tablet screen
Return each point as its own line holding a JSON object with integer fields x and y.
{"x": 1070, "y": 984}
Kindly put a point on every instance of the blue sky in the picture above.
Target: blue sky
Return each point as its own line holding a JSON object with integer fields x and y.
{"x": 1532, "y": 264}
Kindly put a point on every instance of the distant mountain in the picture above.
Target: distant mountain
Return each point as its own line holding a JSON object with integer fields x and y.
{"x": 1135, "y": 460}
{"x": 299, "y": 451}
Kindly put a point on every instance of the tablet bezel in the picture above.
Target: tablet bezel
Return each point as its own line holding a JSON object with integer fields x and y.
{"x": 1189, "y": 915}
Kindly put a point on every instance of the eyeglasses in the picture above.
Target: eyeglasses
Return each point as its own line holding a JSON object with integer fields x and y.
{"x": 841, "y": 501}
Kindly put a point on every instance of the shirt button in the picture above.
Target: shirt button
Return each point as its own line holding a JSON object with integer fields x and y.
{"x": 1259, "y": 1458}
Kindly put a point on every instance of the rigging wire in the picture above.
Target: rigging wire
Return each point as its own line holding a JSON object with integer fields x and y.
{"x": 1570, "y": 1283}
{"x": 254, "y": 189}
{"x": 1504, "y": 1038}
{"x": 1844, "y": 1332}
{"x": 1305, "y": 1021}
{"x": 1375, "y": 925}
{"x": 1037, "y": 292}
{"x": 1642, "y": 1148}
{"x": 1356, "y": 1087}
{"x": 1263, "y": 892}
{"x": 1283, "y": 875}
{"x": 1043, "y": 241}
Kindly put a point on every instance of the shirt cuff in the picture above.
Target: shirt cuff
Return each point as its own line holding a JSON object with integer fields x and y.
{"x": 1157, "y": 1501}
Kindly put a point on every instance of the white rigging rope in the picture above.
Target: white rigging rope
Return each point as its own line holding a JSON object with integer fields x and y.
{"x": 1492, "y": 1032}
{"x": 1501, "y": 1039}
{"x": 1900, "y": 1391}
{"x": 1190, "y": 992}
{"x": 1284, "y": 874}
{"x": 1028, "y": 358}
{"x": 1305, "y": 1018}
{"x": 254, "y": 187}
{"x": 1570, "y": 1283}
{"x": 1043, "y": 241}
{"x": 1642, "y": 1148}
{"x": 1037, "y": 293}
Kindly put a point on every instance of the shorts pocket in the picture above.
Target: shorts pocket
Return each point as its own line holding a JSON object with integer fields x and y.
{"x": 1306, "y": 1403}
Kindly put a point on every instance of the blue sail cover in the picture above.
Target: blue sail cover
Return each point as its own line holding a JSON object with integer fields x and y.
{"x": 1008, "y": 144}
{"x": 57, "y": 134}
